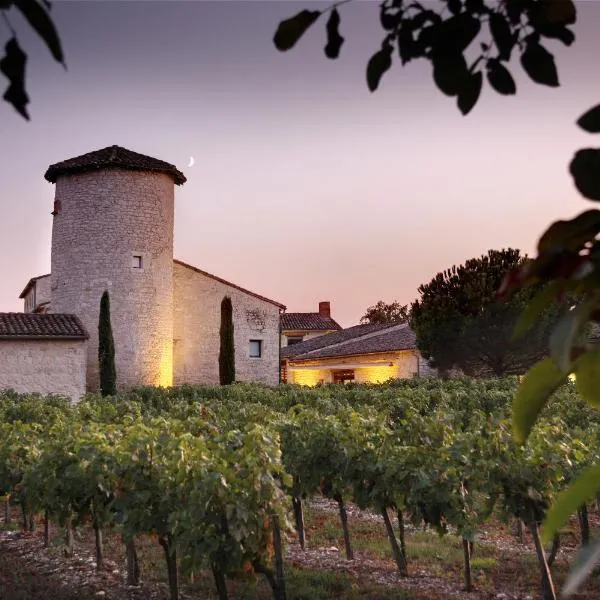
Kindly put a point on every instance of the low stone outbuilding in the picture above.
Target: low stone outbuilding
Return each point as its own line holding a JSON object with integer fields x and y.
{"x": 371, "y": 353}
{"x": 43, "y": 353}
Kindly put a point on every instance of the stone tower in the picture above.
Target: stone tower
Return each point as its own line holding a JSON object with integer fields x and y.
{"x": 113, "y": 230}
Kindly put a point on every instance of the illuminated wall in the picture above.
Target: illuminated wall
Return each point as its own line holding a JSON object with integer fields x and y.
{"x": 378, "y": 374}
{"x": 310, "y": 377}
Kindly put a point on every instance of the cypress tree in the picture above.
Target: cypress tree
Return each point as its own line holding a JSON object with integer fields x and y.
{"x": 227, "y": 349}
{"x": 106, "y": 349}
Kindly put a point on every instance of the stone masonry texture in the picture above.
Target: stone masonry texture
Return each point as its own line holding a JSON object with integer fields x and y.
{"x": 105, "y": 218}
{"x": 44, "y": 367}
{"x": 197, "y": 318}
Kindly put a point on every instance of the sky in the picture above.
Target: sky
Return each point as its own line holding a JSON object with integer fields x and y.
{"x": 306, "y": 187}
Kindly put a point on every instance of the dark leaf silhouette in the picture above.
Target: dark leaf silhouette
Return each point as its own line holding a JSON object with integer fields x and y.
{"x": 457, "y": 33}
{"x": 539, "y": 65}
{"x": 454, "y": 6}
{"x": 470, "y": 92}
{"x": 557, "y": 32}
{"x": 562, "y": 12}
{"x": 389, "y": 17}
{"x": 292, "y": 29}
{"x": 39, "y": 19}
{"x": 500, "y": 78}
{"x": 501, "y": 34}
{"x": 585, "y": 169}
{"x": 449, "y": 73}
{"x": 334, "y": 39}
{"x": 378, "y": 64}
{"x": 406, "y": 44}
{"x": 590, "y": 121}
{"x": 12, "y": 66}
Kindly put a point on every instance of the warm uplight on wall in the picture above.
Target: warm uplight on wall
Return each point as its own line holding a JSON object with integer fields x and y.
{"x": 378, "y": 374}
{"x": 165, "y": 370}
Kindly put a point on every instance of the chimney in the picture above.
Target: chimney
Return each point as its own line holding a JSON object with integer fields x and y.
{"x": 325, "y": 309}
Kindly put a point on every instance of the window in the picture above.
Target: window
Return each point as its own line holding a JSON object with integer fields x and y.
{"x": 343, "y": 376}
{"x": 255, "y": 348}
{"x": 137, "y": 261}
{"x": 294, "y": 340}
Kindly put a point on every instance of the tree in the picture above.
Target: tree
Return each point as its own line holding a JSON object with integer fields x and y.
{"x": 227, "y": 348}
{"x": 386, "y": 313}
{"x": 444, "y": 37}
{"x": 460, "y": 323}
{"x": 106, "y": 349}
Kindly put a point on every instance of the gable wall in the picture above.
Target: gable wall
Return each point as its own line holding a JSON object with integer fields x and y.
{"x": 197, "y": 318}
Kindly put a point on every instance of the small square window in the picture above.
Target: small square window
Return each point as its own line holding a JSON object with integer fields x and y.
{"x": 137, "y": 261}
{"x": 255, "y": 348}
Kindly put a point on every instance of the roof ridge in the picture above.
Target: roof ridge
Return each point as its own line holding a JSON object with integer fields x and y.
{"x": 229, "y": 283}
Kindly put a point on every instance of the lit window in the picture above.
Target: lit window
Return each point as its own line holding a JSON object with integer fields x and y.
{"x": 137, "y": 261}
{"x": 255, "y": 348}
{"x": 294, "y": 340}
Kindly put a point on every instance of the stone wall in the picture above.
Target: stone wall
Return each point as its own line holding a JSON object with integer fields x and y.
{"x": 197, "y": 318}
{"x": 104, "y": 219}
{"x": 44, "y": 366}
{"x": 306, "y": 335}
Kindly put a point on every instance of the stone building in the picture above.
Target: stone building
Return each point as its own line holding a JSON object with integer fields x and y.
{"x": 298, "y": 327}
{"x": 371, "y": 353}
{"x": 113, "y": 230}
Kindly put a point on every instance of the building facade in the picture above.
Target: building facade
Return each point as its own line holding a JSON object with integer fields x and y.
{"x": 113, "y": 230}
{"x": 299, "y": 327}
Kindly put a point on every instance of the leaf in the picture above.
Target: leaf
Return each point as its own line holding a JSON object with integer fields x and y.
{"x": 406, "y": 44}
{"x": 539, "y": 65}
{"x": 501, "y": 34}
{"x": 12, "y": 65}
{"x": 540, "y": 382}
{"x": 537, "y": 305}
{"x": 378, "y": 64}
{"x": 585, "y": 169}
{"x": 562, "y": 12}
{"x": 334, "y": 39}
{"x": 500, "y": 78}
{"x": 590, "y": 120}
{"x": 40, "y": 20}
{"x": 564, "y": 333}
{"x": 571, "y": 235}
{"x": 569, "y": 500}
{"x": 291, "y": 30}
{"x": 470, "y": 92}
{"x": 586, "y": 562}
{"x": 587, "y": 377}
{"x": 557, "y": 32}
{"x": 449, "y": 72}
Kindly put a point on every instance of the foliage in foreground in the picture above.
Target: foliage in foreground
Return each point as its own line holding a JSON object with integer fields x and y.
{"x": 217, "y": 475}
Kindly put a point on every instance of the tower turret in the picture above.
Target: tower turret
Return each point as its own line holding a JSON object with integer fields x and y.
{"x": 113, "y": 230}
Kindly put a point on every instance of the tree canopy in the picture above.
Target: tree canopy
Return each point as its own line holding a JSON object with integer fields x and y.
{"x": 386, "y": 313}
{"x": 461, "y": 323}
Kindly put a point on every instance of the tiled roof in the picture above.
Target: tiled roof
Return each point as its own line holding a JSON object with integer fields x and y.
{"x": 113, "y": 157}
{"x": 30, "y": 283}
{"x": 41, "y": 326}
{"x": 225, "y": 282}
{"x": 330, "y": 339}
{"x": 312, "y": 321}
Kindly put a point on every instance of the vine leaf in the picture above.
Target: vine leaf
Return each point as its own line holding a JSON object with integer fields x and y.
{"x": 334, "y": 39}
{"x": 586, "y": 561}
{"x": 536, "y": 307}
{"x": 540, "y": 382}
{"x": 291, "y": 30}
{"x": 501, "y": 34}
{"x": 470, "y": 92}
{"x": 590, "y": 121}
{"x": 588, "y": 377}
{"x": 539, "y": 65}
{"x": 585, "y": 169}
{"x": 569, "y": 500}
{"x": 378, "y": 64}
{"x": 500, "y": 79}
{"x": 12, "y": 65}
{"x": 39, "y": 19}
{"x": 449, "y": 72}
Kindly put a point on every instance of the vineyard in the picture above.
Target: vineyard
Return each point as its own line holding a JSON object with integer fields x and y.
{"x": 220, "y": 478}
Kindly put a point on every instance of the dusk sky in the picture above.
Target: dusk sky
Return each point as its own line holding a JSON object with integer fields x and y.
{"x": 306, "y": 186}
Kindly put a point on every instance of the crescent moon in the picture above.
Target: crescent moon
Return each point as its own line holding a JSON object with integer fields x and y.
{"x": 192, "y": 161}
